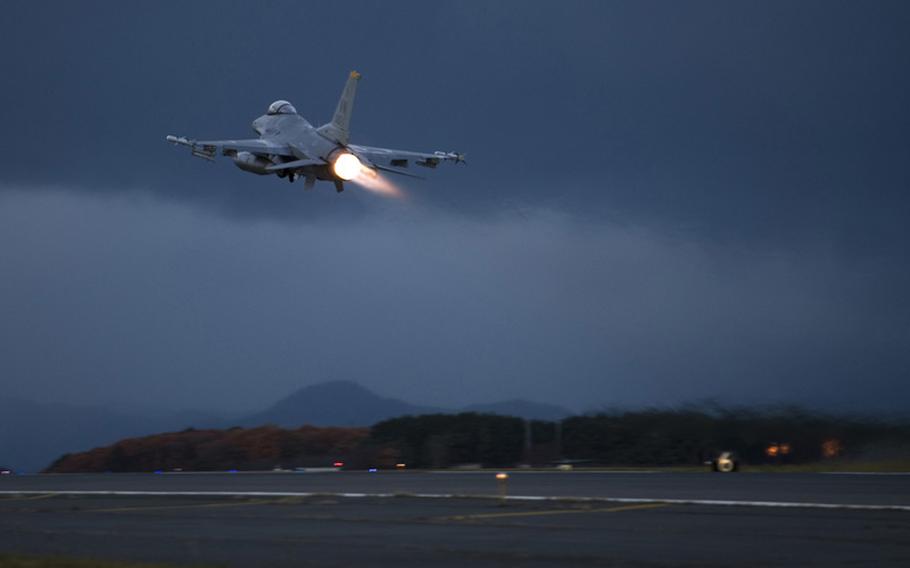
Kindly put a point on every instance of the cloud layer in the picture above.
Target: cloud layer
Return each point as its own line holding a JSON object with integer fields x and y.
{"x": 125, "y": 298}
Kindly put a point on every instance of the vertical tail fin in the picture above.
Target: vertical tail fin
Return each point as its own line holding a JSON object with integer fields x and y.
{"x": 339, "y": 129}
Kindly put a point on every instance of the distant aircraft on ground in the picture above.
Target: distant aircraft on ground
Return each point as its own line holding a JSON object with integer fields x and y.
{"x": 290, "y": 147}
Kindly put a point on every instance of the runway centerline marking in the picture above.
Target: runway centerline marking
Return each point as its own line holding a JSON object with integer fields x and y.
{"x": 187, "y": 506}
{"x": 44, "y": 495}
{"x": 554, "y": 512}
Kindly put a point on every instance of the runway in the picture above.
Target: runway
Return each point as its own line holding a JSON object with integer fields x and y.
{"x": 873, "y": 490}
{"x": 615, "y": 519}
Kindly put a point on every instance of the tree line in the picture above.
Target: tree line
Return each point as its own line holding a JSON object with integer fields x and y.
{"x": 265, "y": 447}
{"x": 621, "y": 438}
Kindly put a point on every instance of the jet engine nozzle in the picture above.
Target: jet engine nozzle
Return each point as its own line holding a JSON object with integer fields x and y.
{"x": 346, "y": 166}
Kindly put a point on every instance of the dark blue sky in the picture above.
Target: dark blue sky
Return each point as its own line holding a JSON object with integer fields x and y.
{"x": 664, "y": 202}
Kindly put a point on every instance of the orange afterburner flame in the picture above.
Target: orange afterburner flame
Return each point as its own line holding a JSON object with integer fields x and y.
{"x": 371, "y": 180}
{"x": 348, "y": 167}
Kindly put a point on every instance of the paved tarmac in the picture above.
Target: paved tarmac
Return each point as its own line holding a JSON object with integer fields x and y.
{"x": 325, "y": 530}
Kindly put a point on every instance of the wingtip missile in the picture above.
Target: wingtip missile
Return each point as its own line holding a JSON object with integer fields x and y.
{"x": 200, "y": 151}
{"x": 178, "y": 140}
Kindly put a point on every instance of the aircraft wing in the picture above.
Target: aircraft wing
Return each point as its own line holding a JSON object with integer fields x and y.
{"x": 208, "y": 149}
{"x": 384, "y": 158}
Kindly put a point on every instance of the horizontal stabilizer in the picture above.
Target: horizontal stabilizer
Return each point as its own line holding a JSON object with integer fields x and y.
{"x": 397, "y": 171}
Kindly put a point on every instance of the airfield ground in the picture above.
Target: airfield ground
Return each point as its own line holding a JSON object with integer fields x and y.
{"x": 602, "y": 519}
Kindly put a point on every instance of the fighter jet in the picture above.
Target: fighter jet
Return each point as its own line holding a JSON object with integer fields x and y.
{"x": 290, "y": 147}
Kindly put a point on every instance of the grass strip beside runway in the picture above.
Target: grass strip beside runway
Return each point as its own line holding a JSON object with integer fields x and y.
{"x": 28, "y": 561}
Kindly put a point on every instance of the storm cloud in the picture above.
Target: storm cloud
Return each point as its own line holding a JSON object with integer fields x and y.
{"x": 123, "y": 298}
{"x": 664, "y": 202}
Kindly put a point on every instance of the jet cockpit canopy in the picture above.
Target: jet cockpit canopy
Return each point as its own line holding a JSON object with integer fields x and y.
{"x": 281, "y": 107}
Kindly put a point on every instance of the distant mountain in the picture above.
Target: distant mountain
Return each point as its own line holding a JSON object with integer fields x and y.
{"x": 34, "y": 434}
{"x": 346, "y": 403}
{"x": 523, "y": 408}
{"x": 334, "y": 403}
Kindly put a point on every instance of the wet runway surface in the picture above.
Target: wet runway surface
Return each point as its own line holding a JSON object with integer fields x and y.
{"x": 799, "y": 488}
{"x": 337, "y": 531}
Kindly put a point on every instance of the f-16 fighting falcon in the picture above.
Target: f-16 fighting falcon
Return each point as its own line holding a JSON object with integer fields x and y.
{"x": 290, "y": 147}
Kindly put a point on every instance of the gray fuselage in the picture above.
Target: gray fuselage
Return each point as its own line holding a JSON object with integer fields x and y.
{"x": 296, "y": 132}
